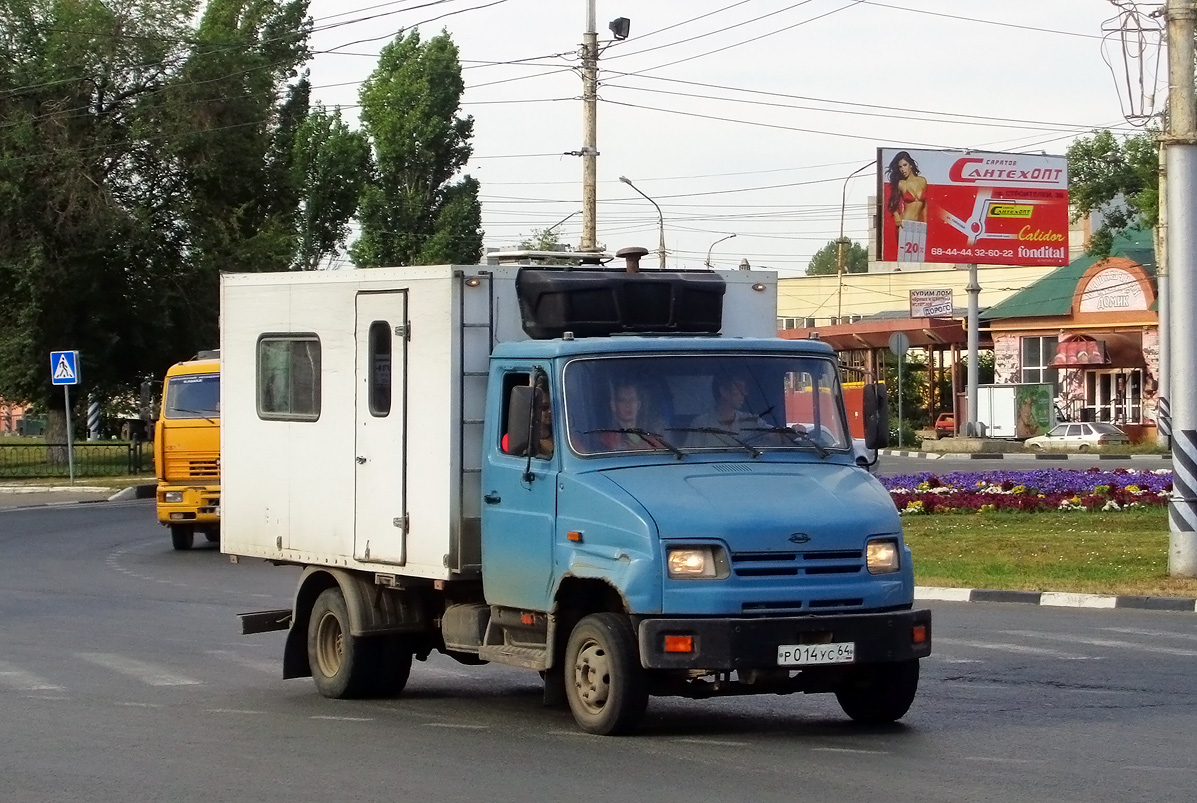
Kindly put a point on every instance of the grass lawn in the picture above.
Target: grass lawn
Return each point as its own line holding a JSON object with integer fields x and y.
{"x": 1093, "y": 553}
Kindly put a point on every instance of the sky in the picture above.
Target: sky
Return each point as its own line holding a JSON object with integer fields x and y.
{"x": 747, "y": 117}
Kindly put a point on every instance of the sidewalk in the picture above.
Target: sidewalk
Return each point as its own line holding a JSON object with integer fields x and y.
{"x": 62, "y": 493}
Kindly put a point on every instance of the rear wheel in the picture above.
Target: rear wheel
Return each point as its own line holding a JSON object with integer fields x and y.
{"x": 604, "y": 682}
{"x": 340, "y": 662}
{"x": 213, "y": 536}
{"x": 182, "y": 536}
{"x": 1084, "y": 447}
{"x": 878, "y": 694}
{"x": 392, "y": 664}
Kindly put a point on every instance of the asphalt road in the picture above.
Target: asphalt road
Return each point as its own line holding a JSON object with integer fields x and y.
{"x": 123, "y": 678}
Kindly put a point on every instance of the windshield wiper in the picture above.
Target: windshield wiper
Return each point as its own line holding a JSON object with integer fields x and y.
{"x": 717, "y": 431}
{"x": 796, "y": 435}
{"x": 201, "y": 413}
{"x": 643, "y": 433}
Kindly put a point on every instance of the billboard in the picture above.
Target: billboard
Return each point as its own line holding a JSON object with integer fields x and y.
{"x": 935, "y": 303}
{"x": 972, "y": 207}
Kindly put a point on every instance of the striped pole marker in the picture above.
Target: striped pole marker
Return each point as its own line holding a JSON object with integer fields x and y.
{"x": 93, "y": 419}
{"x": 1163, "y": 419}
{"x": 1182, "y": 507}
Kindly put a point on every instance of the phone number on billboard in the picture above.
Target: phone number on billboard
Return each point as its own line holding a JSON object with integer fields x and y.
{"x": 973, "y": 252}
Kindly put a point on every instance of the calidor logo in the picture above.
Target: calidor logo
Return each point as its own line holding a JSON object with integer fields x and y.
{"x": 1011, "y": 211}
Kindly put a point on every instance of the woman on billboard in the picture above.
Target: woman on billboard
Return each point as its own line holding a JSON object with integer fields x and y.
{"x": 907, "y": 203}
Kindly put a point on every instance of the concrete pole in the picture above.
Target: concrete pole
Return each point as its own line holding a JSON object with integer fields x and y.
{"x": 1182, "y": 255}
{"x": 1163, "y": 435}
{"x": 974, "y": 348}
{"x": 590, "y": 132}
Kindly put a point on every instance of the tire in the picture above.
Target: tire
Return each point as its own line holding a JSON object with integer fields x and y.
{"x": 604, "y": 683}
{"x": 182, "y": 536}
{"x": 341, "y": 663}
{"x": 879, "y": 694}
{"x": 1084, "y": 447}
{"x": 1037, "y": 447}
{"x": 392, "y": 664}
{"x": 213, "y": 536}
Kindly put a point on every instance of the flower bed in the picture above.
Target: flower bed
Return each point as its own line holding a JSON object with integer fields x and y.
{"x": 1029, "y": 491}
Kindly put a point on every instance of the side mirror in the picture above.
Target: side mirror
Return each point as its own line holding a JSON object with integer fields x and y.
{"x": 519, "y": 413}
{"x": 876, "y": 416}
{"x": 523, "y": 418}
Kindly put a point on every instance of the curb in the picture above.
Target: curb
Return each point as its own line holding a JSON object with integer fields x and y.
{"x": 1053, "y": 457}
{"x": 145, "y": 491}
{"x": 1058, "y": 599}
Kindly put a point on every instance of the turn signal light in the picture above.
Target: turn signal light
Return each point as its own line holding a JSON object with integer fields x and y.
{"x": 918, "y": 634}
{"x": 679, "y": 644}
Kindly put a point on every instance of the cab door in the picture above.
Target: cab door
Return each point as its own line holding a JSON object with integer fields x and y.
{"x": 519, "y": 509}
{"x": 381, "y": 521}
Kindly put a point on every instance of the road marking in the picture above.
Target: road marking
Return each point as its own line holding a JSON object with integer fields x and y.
{"x": 1160, "y": 769}
{"x": 999, "y": 760}
{"x": 456, "y": 726}
{"x": 131, "y": 704}
{"x": 232, "y": 711}
{"x": 258, "y": 664}
{"x": 1133, "y": 631}
{"x": 20, "y": 680}
{"x": 146, "y": 673}
{"x": 850, "y": 750}
{"x": 714, "y": 742}
{"x": 346, "y": 719}
{"x": 1101, "y": 642}
{"x": 1018, "y": 648}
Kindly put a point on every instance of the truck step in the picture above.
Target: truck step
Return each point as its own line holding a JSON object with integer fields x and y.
{"x": 527, "y": 657}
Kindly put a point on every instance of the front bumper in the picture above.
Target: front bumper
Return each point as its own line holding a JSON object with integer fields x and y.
{"x": 726, "y": 644}
{"x": 200, "y": 505}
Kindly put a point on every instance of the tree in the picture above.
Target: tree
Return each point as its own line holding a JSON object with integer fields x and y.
{"x": 411, "y": 211}
{"x": 825, "y": 262}
{"x": 1118, "y": 177}
{"x": 331, "y": 163}
{"x": 140, "y": 154}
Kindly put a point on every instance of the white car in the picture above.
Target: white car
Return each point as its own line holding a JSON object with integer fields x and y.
{"x": 1079, "y": 435}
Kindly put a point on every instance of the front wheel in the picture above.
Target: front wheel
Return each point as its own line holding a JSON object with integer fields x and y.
{"x": 182, "y": 536}
{"x": 880, "y": 693}
{"x": 604, "y": 682}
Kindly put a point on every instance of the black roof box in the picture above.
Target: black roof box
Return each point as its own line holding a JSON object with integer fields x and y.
{"x": 595, "y": 303}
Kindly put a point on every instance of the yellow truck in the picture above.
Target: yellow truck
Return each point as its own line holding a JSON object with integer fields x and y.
{"x": 187, "y": 450}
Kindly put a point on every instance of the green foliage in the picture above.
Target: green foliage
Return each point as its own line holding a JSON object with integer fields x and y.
{"x": 330, "y": 168}
{"x": 144, "y": 148}
{"x": 411, "y": 210}
{"x": 1118, "y": 177}
{"x": 825, "y": 262}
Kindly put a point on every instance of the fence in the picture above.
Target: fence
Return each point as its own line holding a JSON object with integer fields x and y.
{"x": 98, "y": 459}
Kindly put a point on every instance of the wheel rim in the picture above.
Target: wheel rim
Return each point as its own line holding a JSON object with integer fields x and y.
{"x": 330, "y": 645}
{"x": 592, "y": 676}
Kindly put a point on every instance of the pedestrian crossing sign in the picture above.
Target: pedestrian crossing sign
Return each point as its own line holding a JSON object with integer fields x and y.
{"x": 64, "y": 367}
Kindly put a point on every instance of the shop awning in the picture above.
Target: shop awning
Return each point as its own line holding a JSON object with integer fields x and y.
{"x": 1110, "y": 350}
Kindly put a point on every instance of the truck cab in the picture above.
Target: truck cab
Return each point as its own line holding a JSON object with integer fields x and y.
{"x": 187, "y": 450}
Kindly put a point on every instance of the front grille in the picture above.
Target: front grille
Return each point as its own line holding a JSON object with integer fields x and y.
{"x": 792, "y": 564}
{"x": 185, "y": 468}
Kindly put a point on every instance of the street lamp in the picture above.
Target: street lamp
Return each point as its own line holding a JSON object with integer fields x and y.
{"x": 842, "y": 241}
{"x": 660, "y": 219}
{"x": 712, "y": 248}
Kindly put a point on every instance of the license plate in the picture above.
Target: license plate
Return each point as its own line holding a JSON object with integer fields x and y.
{"x": 842, "y": 652}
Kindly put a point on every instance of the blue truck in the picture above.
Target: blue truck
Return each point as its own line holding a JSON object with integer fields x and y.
{"x": 619, "y": 478}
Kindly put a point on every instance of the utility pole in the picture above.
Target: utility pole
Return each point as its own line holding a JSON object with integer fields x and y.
{"x": 1181, "y": 160}
{"x": 974, "y": 351}
{"x": 590, "y": 131}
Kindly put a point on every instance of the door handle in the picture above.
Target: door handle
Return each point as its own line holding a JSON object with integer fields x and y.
{"x": 360, "y": 459}
{"x": 492, "y": 498}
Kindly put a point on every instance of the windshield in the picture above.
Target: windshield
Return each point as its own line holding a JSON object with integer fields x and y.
{"x": 195, "y": 396}
{"x": 691, "y": 402}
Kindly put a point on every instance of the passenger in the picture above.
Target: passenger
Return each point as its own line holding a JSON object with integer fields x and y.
{"x": 730, "y": 391}
{"x": 627, "y": 413}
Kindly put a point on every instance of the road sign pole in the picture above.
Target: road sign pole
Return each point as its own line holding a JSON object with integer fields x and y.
{"x": 66, "y": 394}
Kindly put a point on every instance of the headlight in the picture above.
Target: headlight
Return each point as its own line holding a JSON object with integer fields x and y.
{"x": 882, "y": 557}
{"x": 174, "y": 496}
{"x": 691, "y": 562}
